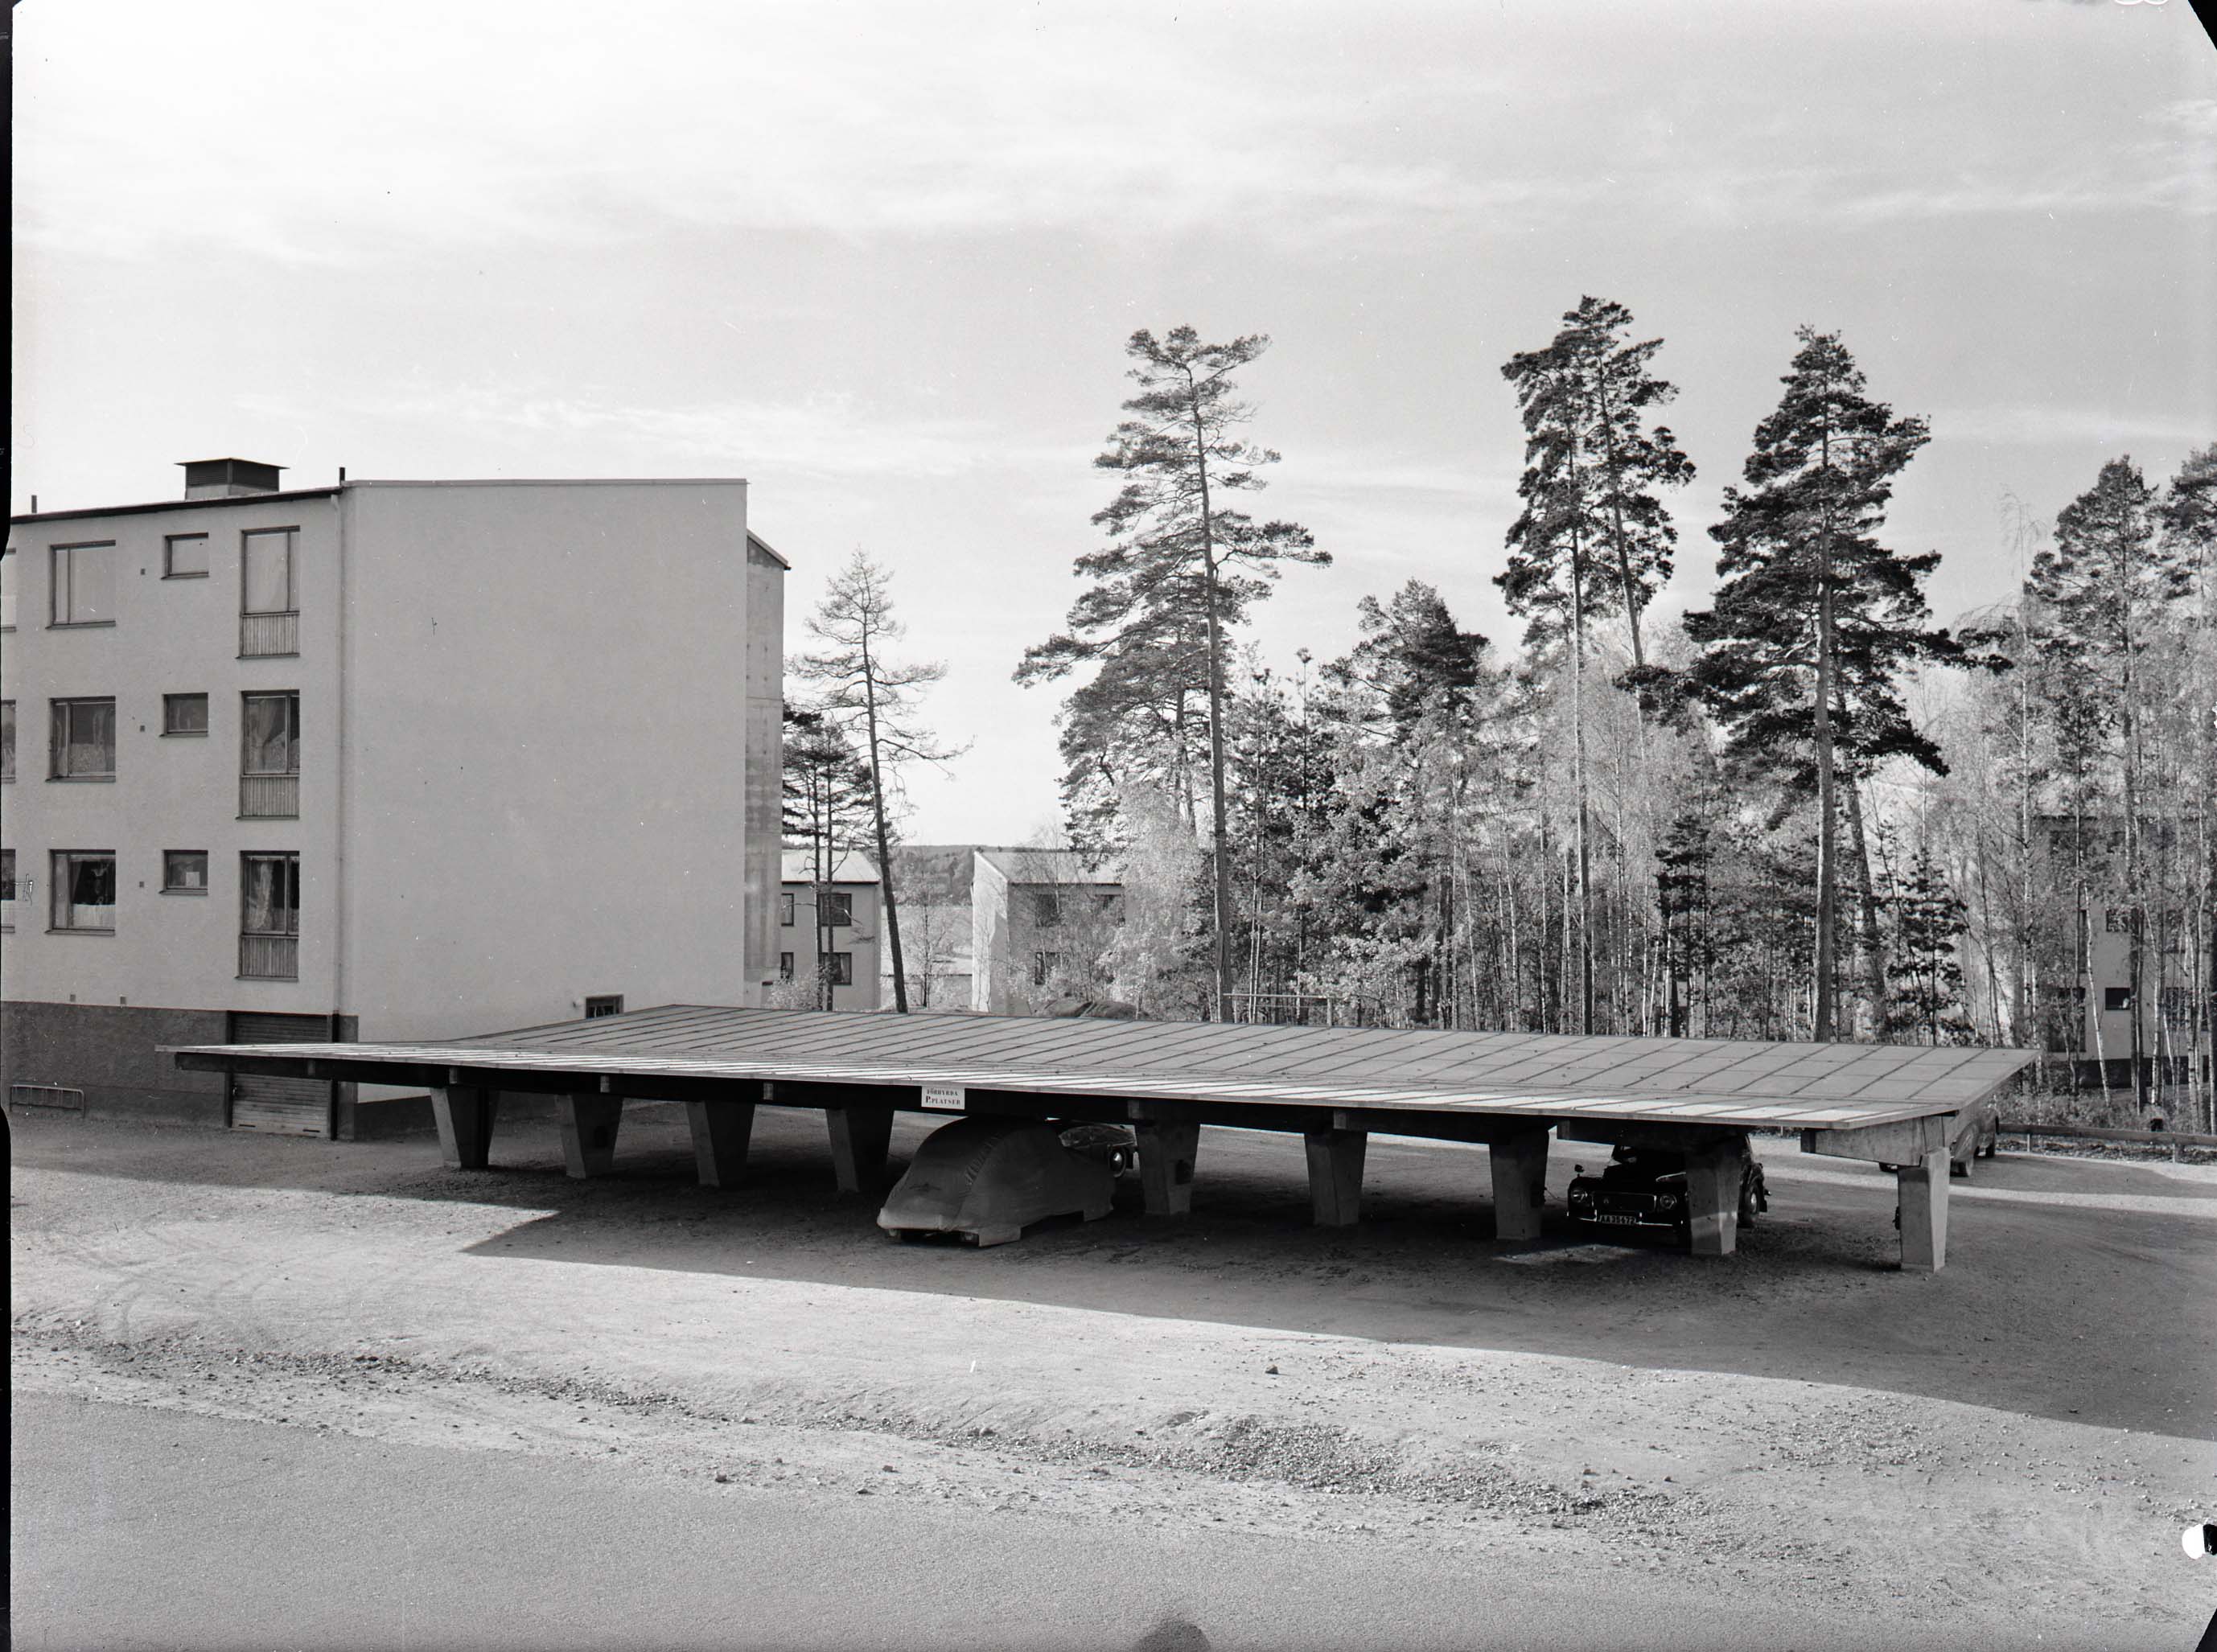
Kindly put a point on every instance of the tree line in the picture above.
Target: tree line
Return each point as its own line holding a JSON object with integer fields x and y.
{"x": 1806, "y": 809}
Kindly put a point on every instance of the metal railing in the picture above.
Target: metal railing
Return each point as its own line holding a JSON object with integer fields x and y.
{"x": 269, "y": 797}
{"x": 269, "y": 958}
{"x": 264, "y": 634}
{"x": 1300, "y": 1009}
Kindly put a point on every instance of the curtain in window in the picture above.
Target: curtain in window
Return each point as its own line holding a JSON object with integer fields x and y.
{"x": 88, "y": 738}
{"x": 273, "y": 734}
{"x": 86, "y": 886}
{"x": 268, "y": 573}
{"x": 270, "y": 893}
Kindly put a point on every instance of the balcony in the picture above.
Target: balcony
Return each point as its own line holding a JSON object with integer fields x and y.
{"x": 269, "y": 797}
{"x": 263, "y": 636}
{"x": 269, "y": 958}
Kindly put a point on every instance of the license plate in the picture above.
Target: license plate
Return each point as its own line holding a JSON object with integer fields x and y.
{"x": 1619, "y": 1221}
{"x": 944, "y": 1098}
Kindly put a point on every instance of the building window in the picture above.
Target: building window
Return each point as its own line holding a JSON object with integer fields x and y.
{"x": 269, "y": 622}
{"x": 2116, "y": 998}
{"x": 785, "y": 966}
{"x": 2118, "y": 920}
{"x": 785, "y": 910}
{"x": 8, "y": 588}
{"x": 1111, "y": 908}
{"x": 85, "y": 584}
{"x": 6, "y": 889}
{"x": 1047, "y": 909}
{"x": 269, "y": 917}
{"x": 7, "y": 739}
{"x": 835, "y": 910}
{"x": 185, "y": 556}
{"x": 184, "y": 714}
{"x": 269, "y": 757}
{"x": 607, "y": 1004}
{"x": 1043, "y": 965}
{"x": 837, "y": 968}
{"x": 84, "y": 890}
{"x": 184, "y": 872}
{"x": 84, "y": 740}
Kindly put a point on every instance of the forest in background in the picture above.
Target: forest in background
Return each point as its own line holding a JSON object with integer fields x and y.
{"x": 1808, "y": 810}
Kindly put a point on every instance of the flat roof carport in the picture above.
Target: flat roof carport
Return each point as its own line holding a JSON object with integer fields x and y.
{"x": 1884, "y": 1103}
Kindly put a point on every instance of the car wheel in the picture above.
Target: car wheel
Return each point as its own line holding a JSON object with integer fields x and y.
{"x": 1960, "y": 1168}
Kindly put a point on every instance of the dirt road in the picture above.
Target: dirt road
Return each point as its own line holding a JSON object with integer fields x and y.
{"x": 2007, "y": 1449}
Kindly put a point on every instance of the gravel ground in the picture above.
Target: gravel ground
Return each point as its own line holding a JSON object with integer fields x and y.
{"x": 1846, "y": 1438}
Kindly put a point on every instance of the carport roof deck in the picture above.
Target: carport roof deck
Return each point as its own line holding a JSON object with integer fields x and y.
{"x": 1665, "y": 1081}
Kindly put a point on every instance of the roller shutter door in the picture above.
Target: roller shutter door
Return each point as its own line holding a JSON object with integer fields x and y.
{"x": 285, "y": 1106}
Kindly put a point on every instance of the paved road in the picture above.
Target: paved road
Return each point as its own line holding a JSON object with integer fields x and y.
{"x": 138, "y": 1528}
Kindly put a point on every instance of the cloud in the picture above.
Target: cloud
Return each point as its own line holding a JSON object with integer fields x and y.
{"x": 2038, "y": 425}
{"x": 327, "y": 134}
{"x": 823, "y": 437}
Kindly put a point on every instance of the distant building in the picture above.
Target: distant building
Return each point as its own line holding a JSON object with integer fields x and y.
{"x": 828, "y": 934}
{"x": 933, "y": 884}
{"x": 1040, "y": 922}
{"x": 2092, "y": 1020}
{"x": 394, "y": 760}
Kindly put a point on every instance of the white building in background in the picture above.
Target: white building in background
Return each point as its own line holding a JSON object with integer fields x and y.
{"x": 1042, "y": 920}
{"x": 828, "y": 932}
{"x": 388, "y": 759}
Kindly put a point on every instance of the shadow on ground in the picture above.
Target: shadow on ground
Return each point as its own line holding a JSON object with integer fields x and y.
{"x": 1814, "y": 1293}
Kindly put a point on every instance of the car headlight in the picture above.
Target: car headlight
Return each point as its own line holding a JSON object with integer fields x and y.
{"x": 1666, "y": 1201}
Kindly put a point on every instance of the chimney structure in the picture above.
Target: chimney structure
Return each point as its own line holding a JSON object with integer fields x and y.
{"x": 228, "y": 478}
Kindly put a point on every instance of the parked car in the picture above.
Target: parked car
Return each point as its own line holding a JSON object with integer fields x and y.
{"x": 1114, "y": 1145}
{"x": 1645, "y": 1188}
{"x": 1977, "y": 1134}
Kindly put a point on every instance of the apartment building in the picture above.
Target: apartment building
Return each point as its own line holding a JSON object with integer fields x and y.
{"x": 1042, "y": 920}
{"x": 828, "y": 934}
{"x": 2092, "y": 1018}
{"x": 379, "y": 759}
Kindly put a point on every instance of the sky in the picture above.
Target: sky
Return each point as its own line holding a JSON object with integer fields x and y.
{"x": 882, "y": 260}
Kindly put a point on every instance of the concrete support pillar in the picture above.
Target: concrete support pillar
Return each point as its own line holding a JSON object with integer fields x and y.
{"x": 1921, "y": 1206}
{"x": 1168, "y": 1149}
{"x": 860, "y": 1137}
{"x": 465, "y": 1115}
{"x": 1520, "y": 1183}
{"x": 720, "y": 1130}
{"x": 1713, "y": 1181}
{"x": 1335, "y": 1175}
{"x": 589, "y": 1123}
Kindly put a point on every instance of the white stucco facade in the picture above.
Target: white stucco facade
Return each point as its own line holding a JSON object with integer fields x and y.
{"x": 530, "y": 768}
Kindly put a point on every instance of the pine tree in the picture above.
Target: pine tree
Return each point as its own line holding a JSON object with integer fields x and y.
{"x": 1594, "y": 536}
{"x": 873, "y": 699}
{"x": 829, "y": 809}
{"x": 1815, "y": 622}
{"x": 2107, "y": 585}
{"x": 2188, "y": 516}
{"x": 1182, "y": 568}
{"x": 1927, "y": 1001}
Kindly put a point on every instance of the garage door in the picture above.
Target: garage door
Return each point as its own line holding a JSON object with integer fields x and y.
{"x": 288, "y": 1107}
